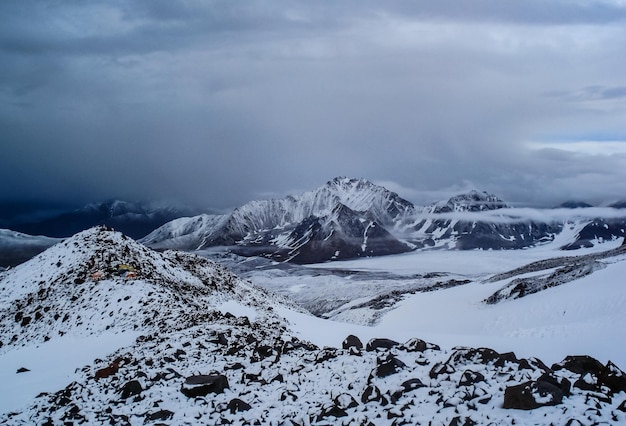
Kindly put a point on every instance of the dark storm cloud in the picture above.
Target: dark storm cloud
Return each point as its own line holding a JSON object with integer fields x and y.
{"x": 220, "y": 102}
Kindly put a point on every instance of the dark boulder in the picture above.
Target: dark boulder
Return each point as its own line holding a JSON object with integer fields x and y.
{"x": 374, "y": 344}
{"x": 388, "y": 365}
{"x": 613, "y": 378}
{"x": 237, "y": 405}
{"x": 440, "y": 369}
{"x": 406, "y": 386}
{"x": 352, "y": 341}
{"x": 204, "y": 384}
{"x": 325, "y": 355}
{"x": 580, "y": 364}
{"x": 131, "y": 388}
{"x": 588, "y": 382}
{"x": 458, "y": 421}
{"x": 345, "y": 401}
{"x": 331, "y": 411}
{"x": 22, "y": 370}
{"x": 264, "y": 351}
{"x": 373, "y": 394}
{"x": 470, "y": 377}
{"x": 562, "y": 383}
{"x": 412, "y": 384}
{"x": 622, "y": 406}
{"x": 418, "y": 345}
{"x": 531, "y": 395}
{"x": 159, "y": 415}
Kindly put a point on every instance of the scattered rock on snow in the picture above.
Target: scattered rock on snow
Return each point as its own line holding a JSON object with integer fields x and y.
{"x": 237, "y": 405}
{"x": 352, "y": 341}
{"x": 388, "y": 365}
{"x": 374, "y": 344}
{"x": 204, "y": 384}
{"x": 131, "y": 388}
{"x": 531, "y": 395}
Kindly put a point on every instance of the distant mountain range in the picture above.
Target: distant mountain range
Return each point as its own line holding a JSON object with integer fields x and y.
{"x": 344, "y": 218}
{"x": 133, "y": 219}
{"x": 348, "y": 218}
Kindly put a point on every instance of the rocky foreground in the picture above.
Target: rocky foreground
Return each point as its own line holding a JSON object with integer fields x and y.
{"x": 213, "y": 349}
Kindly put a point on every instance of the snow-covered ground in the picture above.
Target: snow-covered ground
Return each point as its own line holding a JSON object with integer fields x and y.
{"x": 188, "y": 317}
{"x": 52, "y": 365}
{"x": 574, "y": 318}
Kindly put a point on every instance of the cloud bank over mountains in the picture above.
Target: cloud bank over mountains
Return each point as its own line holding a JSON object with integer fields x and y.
{"x": 220, "y": 102}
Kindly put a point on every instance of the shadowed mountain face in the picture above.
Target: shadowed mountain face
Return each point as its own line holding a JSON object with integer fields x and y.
{"x": 345, "y": 218}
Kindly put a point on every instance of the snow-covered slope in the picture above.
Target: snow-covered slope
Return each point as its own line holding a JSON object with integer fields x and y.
{"x": 100, "y": 279}
{"x": 16, "y": 247}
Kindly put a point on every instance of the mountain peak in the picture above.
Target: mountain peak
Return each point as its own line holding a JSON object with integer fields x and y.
{"x": 470, "y": 201}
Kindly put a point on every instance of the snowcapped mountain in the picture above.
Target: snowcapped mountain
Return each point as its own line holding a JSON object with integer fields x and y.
{"x": 473, "y": 201}
{"x": 452, "y": 224}
{"x": 347, "y": 218}
{"x": 134, "y": 219}
{"x": 343, "y": 218}
{"x": 16, "y": 247}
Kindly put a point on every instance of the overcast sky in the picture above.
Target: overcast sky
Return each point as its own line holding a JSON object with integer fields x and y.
{"x": 219, "y": 102}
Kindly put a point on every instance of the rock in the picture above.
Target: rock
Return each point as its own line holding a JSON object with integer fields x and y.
{"x": 531, "y": 395}
{"x": 131, "y": 388}
{"x": 352, "y": 342}
{"x": 580, "y": 364}
{"x": 440, "y": 369}
{"x": 418, "y": 345}
{"x": 278, "y": 378}
{"x": 588, "y": 382}
{"x": 331, "y": 411}
{"x": 622, "y": 406}
{"x": 159, "y": 415}
{"x": 234, "y": 366}
{"x": 458, "y": 421}
{"x": 470, "y": 377}
{"x": 388, "y": 365}
{"x": 374, "y": 344}
{"x": 345, "y": 401}
{"x": 325, "y": 355}
{"x": 22, "y": 370}
{"x": 354, "y": 351}
{"x": 613, "y": 378}
{"x": 479, "y": 356}
{"x": 237, "y": 405}
{"x": 562, "y": 383}
{"x": 412, "y": 384}
{"x": 109, "y": 371}
{"x": 406, "y": 386}
{"x": 414, "y": 345}
{"x": 371, "y": 394}
{"x": 204, "y": 384}
{"x": 264, "y": 351}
